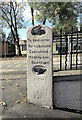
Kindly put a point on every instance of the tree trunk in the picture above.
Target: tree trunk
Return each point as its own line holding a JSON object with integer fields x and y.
{"x": 44, "y": 21}
{"x": 11, "y": 26}
{"x": 18, "y": 47}
{"x": 14, "y": 40}
{"x": 16, "y": 32}
{"x": 32, "y": 13}
{"x": 14, "y": 50}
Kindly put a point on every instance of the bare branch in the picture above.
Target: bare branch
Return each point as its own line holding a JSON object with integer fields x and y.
{"x": 6, "y": 20}
{"x": 5, "y": 15}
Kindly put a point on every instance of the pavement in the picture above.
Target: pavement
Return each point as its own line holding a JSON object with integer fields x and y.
{"x": 14, "y": 93}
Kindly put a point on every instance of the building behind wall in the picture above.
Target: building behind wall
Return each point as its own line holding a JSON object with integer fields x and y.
{"x": 4, "y": 50}
{"x": 7, "y": 49}
{"x": 23, "y": 47}
{"x": 56, "y": 44}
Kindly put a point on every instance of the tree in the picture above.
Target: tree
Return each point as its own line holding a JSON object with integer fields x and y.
{"x": 60, "y": 14}
{"x": 10, "y": 38}
{"x": 13, "y": 19}
{"x": 37, "y": 6}
{"x": 80, "y": 14}
{"x": 32, "y": 11}
{"x": 3, "y": 36}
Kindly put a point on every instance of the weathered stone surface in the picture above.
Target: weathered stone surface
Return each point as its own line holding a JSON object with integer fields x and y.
{"x": 39, "y": 65}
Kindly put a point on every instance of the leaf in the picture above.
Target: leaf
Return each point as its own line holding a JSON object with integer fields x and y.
{"x": 45, "y": 107}
{"x": 17, "y": 85}
{"x": 10, "y": 83}
{"x": 3, "y": 103}
{"x": 20, "y": 94}
{"x": 18, "y": 101}
{"x": 19, "y": 76}
{"x": 3, "y": 88}
{"x": 7, "y": 81}
{"x": 25, "y": 100}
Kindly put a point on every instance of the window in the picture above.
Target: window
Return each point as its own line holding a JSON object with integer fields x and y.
{"x": 63, "y": 48}
{"x": 77, "y": 47}
{"x": 58, "y": 46}
{"x": 24, "y": 47}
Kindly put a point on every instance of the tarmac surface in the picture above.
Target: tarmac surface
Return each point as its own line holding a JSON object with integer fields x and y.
{"x": 14, "y": 94}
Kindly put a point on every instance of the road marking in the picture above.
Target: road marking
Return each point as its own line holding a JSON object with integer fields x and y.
{"x": 18, "y": 65}
{"x": 9, "y": 65}
{"x": 6, "y": 70}
{"x": 5, "y": 66}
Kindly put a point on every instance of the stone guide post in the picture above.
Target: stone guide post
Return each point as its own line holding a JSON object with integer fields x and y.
{"x": 39, "y": 65}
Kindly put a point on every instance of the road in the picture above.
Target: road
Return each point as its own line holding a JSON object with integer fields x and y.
{"x": 14, "y": 64}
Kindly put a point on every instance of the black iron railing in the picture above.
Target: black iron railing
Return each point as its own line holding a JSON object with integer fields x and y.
{"x": 68, "y": 50}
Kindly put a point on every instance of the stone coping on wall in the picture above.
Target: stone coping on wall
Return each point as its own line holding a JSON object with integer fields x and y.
{"x": 68, "y": 72}
{"x": 71, "y": 75}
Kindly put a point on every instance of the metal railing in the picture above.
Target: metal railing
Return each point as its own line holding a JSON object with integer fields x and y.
{"x": 68, "y": 50}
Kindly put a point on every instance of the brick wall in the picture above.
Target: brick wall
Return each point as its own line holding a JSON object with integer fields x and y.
{"x": 3, "y": 49}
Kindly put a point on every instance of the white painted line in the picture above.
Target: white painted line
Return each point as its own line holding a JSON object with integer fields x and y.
{"x": 18, "y": 65}
{"x": 9, "y": 65}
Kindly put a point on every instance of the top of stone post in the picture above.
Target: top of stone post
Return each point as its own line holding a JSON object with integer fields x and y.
{"x": 39, "y": 30}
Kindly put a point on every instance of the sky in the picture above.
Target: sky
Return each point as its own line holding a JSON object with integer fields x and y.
{"x": 27, "y": 16}
{"x": 23, "y": 32}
